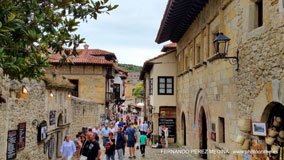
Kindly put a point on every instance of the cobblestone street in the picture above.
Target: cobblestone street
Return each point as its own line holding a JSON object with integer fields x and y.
{"x": 158, "y": 154}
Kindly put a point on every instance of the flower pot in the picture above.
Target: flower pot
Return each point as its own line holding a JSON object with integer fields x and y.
{"x": 244, "y": 125}
{"x": 269, "y": 140}
{"x": 272, "y": 132}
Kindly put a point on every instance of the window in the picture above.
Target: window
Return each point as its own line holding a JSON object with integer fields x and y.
{"x": 259, "y": 13}
{"x": 221, "y": 130}
{"x": 198, "y": 54}
{"x": 165, "y": 85}
{"x": 74, "y": 91}
{"x": 151, "y": 86}
{"x": 256, "y": 14}
{"x": 116, "y": 90}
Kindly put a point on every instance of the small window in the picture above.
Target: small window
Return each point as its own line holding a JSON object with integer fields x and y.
{"x": 221, "y": 130}
{"x": 259, "y": 12}
{"x": 151, "y": 86}
{"x": 74, "y": 91}
{"x": 198, "y": 54}
{"x": 165, "y": 85}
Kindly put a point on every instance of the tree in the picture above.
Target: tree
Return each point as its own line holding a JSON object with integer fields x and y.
{"x": 32, "y": 29}
{"x": 138, "y": 90}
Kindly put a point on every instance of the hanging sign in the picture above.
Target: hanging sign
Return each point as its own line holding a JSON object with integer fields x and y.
{"x": 52, "y": 117}
{"x": 21, "y": 135}
{"x": 11, "y": 144}
{"x": 42, "y": 131}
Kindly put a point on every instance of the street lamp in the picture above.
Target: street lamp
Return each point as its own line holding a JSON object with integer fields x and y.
{"x": 221, "y": 44}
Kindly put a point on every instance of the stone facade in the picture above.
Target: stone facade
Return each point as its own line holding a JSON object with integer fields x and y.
{"x": 211, "y": 95}
{"x": 90, "y": 78}
{"x": 33, "y": 108}
{"x": 85, "y": 114}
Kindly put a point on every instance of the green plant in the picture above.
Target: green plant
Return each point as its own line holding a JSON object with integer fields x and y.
{"x": 32, "y": 29}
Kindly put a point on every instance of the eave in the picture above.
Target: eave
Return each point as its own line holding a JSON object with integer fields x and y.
{"x": 178, "y": 17}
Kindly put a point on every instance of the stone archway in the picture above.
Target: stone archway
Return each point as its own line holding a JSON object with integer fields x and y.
{"x": 59, "y": 135}
{"x": 272, "y": 112}
{"x": 183, "y": 128}
{"x": 202, "y": 125}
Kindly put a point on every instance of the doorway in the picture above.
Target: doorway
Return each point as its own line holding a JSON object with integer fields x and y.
{"x": 183, "y": 127}
{"x": 203, "y": 133}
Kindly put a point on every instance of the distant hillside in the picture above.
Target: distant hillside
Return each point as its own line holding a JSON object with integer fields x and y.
{"x": 130, "y": 67}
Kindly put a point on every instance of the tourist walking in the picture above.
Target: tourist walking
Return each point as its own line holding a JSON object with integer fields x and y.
{"x": 68, "y": 148}
{"x": 97, "y": 132}
{"x": 149, "y": 134}
{"x": 110, "y": 147}
{"x": 144, "y": 127}
{"x": 166, "y": 134}
{"x": 91, "y": 148}
{"x": 105, "y": 133}
{"x": 120, "y": 143}
{"x": 131, "y": 140}
{"x": 143, "y": 141}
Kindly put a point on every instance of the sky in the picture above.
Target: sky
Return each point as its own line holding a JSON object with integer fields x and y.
{"x": 129, "y": 31}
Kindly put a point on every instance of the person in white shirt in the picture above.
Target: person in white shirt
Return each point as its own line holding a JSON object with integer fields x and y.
{"x": 68, "y": 148}
{"x": 166, "y": 134}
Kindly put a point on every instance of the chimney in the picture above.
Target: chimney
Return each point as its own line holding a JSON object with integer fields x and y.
{"x": 86, "y": 46}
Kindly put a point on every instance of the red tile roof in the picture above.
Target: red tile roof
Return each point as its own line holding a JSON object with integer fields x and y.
{"x": 168, "y": 47}
{"x": 86, "y": 56}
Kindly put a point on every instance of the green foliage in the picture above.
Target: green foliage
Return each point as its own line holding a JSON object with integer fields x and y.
{"x": 31, "y": 29}
{"x": 138, "y": 90}
{"x": 130, "y": 67}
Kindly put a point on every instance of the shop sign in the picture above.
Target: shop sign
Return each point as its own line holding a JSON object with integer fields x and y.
{"x": 52, "y": 117}
{"x": 11, "y": 144}
{"x": 42, "y": 131}
{"x": 170, "y": 123}
{"x": 21, "y": 135}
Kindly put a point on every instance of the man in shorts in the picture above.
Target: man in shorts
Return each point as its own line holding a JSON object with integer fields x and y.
{"x": 131, "y": 140}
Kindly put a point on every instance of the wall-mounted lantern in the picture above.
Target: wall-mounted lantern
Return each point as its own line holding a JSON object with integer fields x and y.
{"x": 24, "y": 90}
{"x": 221, "y": 44}
{"x": 69, "y": 95}
{"x": 51, "y": 94}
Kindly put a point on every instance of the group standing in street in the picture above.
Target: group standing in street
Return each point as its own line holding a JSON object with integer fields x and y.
{"x": 115, "y": 136}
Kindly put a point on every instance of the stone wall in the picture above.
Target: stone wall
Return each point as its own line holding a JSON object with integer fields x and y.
{"x": 33, "y": 108}
{"x": 217, "y": 87}
{"x": 262, "y": 58}
{"x": 85, "y": 114}
{"x": 91, "y": 80}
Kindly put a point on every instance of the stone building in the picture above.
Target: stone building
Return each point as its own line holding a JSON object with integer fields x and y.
{"x": 212, "y": 96}
{"x": 159, "y": 79}
{"x": 35, "y": 117}
{"x": 93, "y": 72}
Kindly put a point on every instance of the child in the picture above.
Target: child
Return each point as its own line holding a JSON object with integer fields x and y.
{"x": 143, "y": 140}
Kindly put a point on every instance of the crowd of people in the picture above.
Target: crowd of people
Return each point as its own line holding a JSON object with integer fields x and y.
{"x": 115, "y": 137}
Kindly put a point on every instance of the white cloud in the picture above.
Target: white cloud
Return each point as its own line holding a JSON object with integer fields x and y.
{"x": 129, "y": 31}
